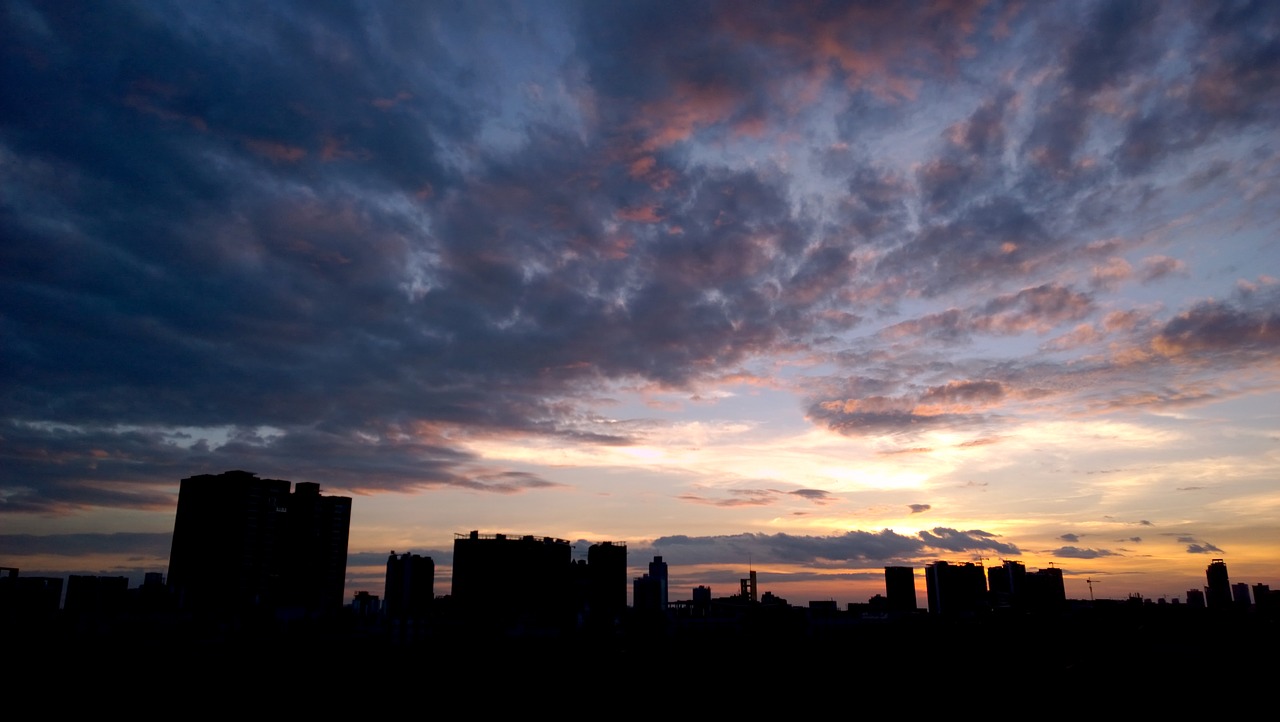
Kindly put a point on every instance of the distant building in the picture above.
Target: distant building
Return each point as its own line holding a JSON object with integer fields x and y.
{"x": 1240, "y": 595}
{"x": 1044, "y": 591}
{"x": 96, "y": 597}
{"x": 245, "y": 545}
{"x": 26, "y": 599}
{"x": 658, "y": 572}
{"x": 1218, "y": 590}
{"x": 649, "y": 592}
{"x": 366, "y": 606}
{"x": 900, "y": 589}
{"x": 956, "y": 589}
{"x": 701, "y": 600}
{"x": 1265, "y": 601}
{"x": 513, "y": 583}
{"x": 644, "y": 595}
{"x": 1006, "y": 585}
{"x": 606, "y": 583}
{"x": 409, "y": 588}
{"x": 152, "y": 596}
{"x": 1011, "y": 588}
{"x": 749, "y": 588}
{"x": 1195, "y": 598}
{"x": 823, "y": 608}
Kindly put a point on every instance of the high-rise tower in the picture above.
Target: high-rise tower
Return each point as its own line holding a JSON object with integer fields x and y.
{"x": 244, "y": 544}
{"x": 409, "y": 587}
{"x": 658, "y": 572}
{"x": 607, "y": 582}
{"x": 956, "y": 589}
{"x": 900, "y": 589}
{"x": 1218, "y": 591}
{"x": 513, "y": 582}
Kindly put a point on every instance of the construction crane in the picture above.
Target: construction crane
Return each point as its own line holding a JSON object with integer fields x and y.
{"x": 1090, "y": 583}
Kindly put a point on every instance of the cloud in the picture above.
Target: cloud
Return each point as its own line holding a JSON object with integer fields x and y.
{"x": 953, "y": 403}
{"x": 919, "y": 508}
{"x": 737, "y": 498}
{"x": 439, "y": 557}
{"x": 218, "y": 262}
{"x": 131, "y": 544}
{"x": 1215, "y": 327}
{"x": 876, "y": 548}
{"x": 994, "y": 237}
{"x": 973, "y": 540}
{"x": 817, "y": 496}
{"x": 1109, "y": 276}
{"x": 1071, "y": 552}
{"x": 1203, "y": 548}
{"x": 1155, "y": 268}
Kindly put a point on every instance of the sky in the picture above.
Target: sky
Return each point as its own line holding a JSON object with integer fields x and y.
{"x": 801, "y": 288}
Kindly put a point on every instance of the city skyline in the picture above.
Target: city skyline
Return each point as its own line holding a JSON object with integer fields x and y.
{"x": 245, "y": 553}
{"x": 807, "y": 290}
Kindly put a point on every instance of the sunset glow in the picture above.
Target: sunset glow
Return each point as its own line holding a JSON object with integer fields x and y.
{"x": 807, "y": 289}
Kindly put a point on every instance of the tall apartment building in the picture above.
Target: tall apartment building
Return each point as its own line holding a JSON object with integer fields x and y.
{"x": 410, "y": 586}
{"x": 28, "y": 599}
{"x": 1218, "y": 590}
{"x": 529, "y": 584}
{"x": 606, "y": 583}
{"x": 517, "y": 582}
{"x": 956, "y": 589}
{"x": 900, "y": 589}
{"x": 96, "y": 596}
{"x": 1012, "y": 588}
{"x": 242, "y": 544}
{"x": 1240, "y": 595}
{"x": 649, "y": 592}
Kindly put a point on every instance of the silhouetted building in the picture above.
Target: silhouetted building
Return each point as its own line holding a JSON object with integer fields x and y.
{"x": 318, "y": 530}
{"x": 409, "y": 587}
{"x": 242, "y": 544}
{"x": 900, "y": 590}
{"x": 649, "y": 591}
{"x": 956, "y": 589}
{"x": 1195, "y": 598}
{"x": 606, "y": 602}
{"x": 152, "y": 597}
{"x": 1005, "y": 585}
{"x": 749, "y": 588}
{"x": 513, "y": 584}
{"x": 658, "y": 571}
{"x": 701, "y": 601}
{"x": 97, "y": 597}
{"x": 646, "y": 595}
{"x": 1240, "y": 595}
{"x": 1218, "y": 590}
{"x": 366, "y": 606}
{"x": 1011, "y": 588}
{"x": 1044, "y": 591}
{"x": 28, "y": 602}
{"x": 823, "y": 608}
{"x": 1266, "y": 602}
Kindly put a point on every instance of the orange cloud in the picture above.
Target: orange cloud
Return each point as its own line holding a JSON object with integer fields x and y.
{"x": 641, "y": 214}
{"x": 275, "y": 151}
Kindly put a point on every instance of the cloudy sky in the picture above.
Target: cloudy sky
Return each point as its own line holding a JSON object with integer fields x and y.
{"x": 800, "y": 287}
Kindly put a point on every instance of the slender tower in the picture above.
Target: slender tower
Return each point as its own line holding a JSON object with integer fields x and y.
{"x": 1218, "y": 592}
